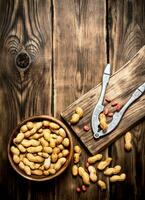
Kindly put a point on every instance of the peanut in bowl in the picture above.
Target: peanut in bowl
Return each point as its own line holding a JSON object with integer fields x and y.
{"x": 40, "y": 148}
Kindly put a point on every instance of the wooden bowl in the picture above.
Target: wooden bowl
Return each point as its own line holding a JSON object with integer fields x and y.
{"x": 42, "y": 177}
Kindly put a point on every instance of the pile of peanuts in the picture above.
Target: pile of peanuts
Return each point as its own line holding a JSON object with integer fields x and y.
{"x": 89, "y": 173}
{"x": 94, "y": 164}
{"x": 40, "y": 148}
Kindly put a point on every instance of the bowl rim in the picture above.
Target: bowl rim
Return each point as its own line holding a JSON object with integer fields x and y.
{"x": 33, "y": 118}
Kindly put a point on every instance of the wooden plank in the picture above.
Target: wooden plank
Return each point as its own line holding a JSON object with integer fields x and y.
{"x": 79, "y": 32}
{"x": 119, "y": 90}
{"x": 126, "y": 36}
{"x": 27, "y": 25}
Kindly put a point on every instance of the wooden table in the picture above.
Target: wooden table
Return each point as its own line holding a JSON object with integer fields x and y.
{"x": 69, "y": 42}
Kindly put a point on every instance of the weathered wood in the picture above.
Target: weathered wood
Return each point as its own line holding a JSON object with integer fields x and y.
{"x": 25, "y": 25}
{"x": 126, "y": 20}
{"x": 119, "y": 90}
{"x": 79, "y": 32}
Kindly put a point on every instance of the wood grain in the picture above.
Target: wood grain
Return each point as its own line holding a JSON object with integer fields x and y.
{"x": 77, "y": 57}
{"x": 118, "y": 90}
{"x": 26, "y": 25}
{"x": 126, "y": 20}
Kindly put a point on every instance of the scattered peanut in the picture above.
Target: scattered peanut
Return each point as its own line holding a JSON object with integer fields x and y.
{"x": 93, "y": 159}
{"x": 75, "y": 118}
{"x": 79, "y": 111}
{"x": 93, "y": 175}
{"x": 84, "y": 175}
{"x": 103, "y": 164}
{"x": 102, "y": 184}
{"x": 77, "y": 149}
{"x": 76, "y": 158}
{"x": 112, "y": 170}
{"x": 128, "y": 139}
{"x": 74, "y": 170}
{"x": 116, "y": 178}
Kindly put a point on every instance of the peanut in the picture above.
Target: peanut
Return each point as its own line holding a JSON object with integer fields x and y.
{"x": 75, "y": 170}
{"x": 60, "y": 146}
{"x": 43, "y": 142}
{"x": 112, "y": 170}
{"x": 51, "y": 171}
{"x": 79, "y": 111}
{"x": 103, "y": 121}
{"x": 65, "y": 152}
{"x": 93, "y": 175}
{"x": 65, "y": 142}
{"x": 47, "y": 150}
{"x": 59, "y": 163}
{"x": 37, "y": 172}
{"x": 54, "y": 125}
{"x": 23, "y": 129}
{"x": 43, "y": 154}
{"x": 103, "y": 164}
{"x": 27, "y": 170}
{"x": 74, "y": 118}
{"x": 19, "y": 138}
{"x": 46, "y": 172}
{"x": 47, "y": 135}
{"x": 34, "y": 149}
{"x": 33, "y": 158}
{"x": 102, "y": 184}
{"x": 54, "y": 157}
{"x": 76, "y": 158}
{"x": 60, "y": 155}
{"x": 36, "y": 136}
{"x": 59, "y": 140}
{"x": 46, "y": 123}
{"x": 128, "y": 139}
{"x": 38, "y": 125}
{"x": 93, "y": 159}
{"x": 120, "y": 177}
{"x": 21, "y": 165}
{"x": 52, "y": 143}
{"x": 62, "y": 132}
{"x": 47, "y": 163}
{"x": 30, "y": 125}
{"x": 27, "y": 134}
{"x": 56, "y": 150}
{"x": 21, "y": 148}
{"x": 15, "y": 150}
{"x": 84, "y": 175}
{"x": 28, "y": 163}
{"x": 16, "y": 158}
{"x": 77, "y": 149}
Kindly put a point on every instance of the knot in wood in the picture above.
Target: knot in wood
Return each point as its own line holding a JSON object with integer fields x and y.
{"x": 23, "y": 60}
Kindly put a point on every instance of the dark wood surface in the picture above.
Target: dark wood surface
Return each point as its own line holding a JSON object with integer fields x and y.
{"x": 131, "y": 76}
{"x": 69, "y": 43}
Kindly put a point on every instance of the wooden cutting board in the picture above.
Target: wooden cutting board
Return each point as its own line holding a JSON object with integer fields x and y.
{"x": 121, "y": 86}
